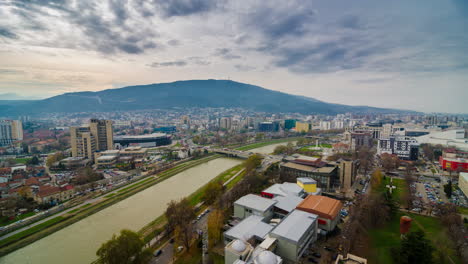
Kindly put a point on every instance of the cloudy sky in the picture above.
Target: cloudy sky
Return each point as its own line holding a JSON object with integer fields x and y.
{"x": 410, "y": 54}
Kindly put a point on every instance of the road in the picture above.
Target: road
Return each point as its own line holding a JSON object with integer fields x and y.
{"x": 92, "y": 201}
{"x": 168, "y": 249}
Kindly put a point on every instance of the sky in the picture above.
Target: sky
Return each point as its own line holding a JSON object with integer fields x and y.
{"x": 396, "y": 54}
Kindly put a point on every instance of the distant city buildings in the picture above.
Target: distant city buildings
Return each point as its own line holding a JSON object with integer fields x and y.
{"x": 405, "y": 148}
{"x": 10, "y": 131}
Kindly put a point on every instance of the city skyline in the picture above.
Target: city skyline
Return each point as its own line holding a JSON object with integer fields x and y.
{"x": 406, "y": 55}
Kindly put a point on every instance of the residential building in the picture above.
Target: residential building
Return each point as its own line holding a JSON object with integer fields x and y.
{"x": 225, "y": 123}
{"x": 360, "y": 139}
{"x": 327, "y": 209}
{"x": 348, "y": 172}
{"x": 405, "y": 148}
{"x": 97, "y": 136}
{"x": 294, "y": 234}
{"x": 10, "y": 131}
{"x": 251, "y": 204}
{"x": 325, "y": 125}
{"x": 103, "y": 133}
{"x": 83, "y": 143}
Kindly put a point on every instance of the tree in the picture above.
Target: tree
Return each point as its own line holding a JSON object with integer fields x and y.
{"x": 51, "y": 159}
{"x": 33, "y": 161}
{"x": 252, "y": 163}
{"x": 212, "y": 191}
{"x": 128, "y": 247}
{"x": 448, "y": 189}
{"x": 376, "y": 179}
{"x": 390, "y": 162}
{"x": 87, "y": 175}
{"x": 215, "y": 225}
{"x": 415, "y": 249}
{"x": 179, "y": 217}
{"x": 284, "y": 149}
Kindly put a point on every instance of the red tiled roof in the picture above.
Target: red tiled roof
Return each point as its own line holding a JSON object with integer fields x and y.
{"x": 32, "y": 181}
{"x": 46, "y": 190}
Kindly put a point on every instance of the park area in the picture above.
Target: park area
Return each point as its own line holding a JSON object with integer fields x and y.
{"x": 386, "y": 238}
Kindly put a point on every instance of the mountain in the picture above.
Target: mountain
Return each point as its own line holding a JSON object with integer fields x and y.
{"x": 192, "y": 93}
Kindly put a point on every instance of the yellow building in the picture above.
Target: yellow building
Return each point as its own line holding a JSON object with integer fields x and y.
{"x": 463, "y": 182}
{"x": 309, "y": 185}
{"x": 302, "y": 127}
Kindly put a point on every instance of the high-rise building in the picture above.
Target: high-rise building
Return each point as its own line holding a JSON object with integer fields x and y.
{"x": 404, "y": 147}
{"x": 97, "y": 136}
{"x": 325, "y": 125}
{"x": 10, "y": 130}
{"x": 289, "y": 123}
{"x": 103, "y": 133}
{"x": 185, "y": 120}
{"x": 83, "y": 143}
{"x": 225, "y": 123}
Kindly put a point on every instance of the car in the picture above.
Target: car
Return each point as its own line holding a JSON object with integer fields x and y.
{"x": 316, "y": 254}
{"x": 158, "y": 253}
{"x": 312, "y": 260}
{"x": 171, "y": 241}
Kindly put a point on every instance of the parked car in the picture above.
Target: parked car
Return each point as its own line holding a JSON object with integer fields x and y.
{"x": 313, "y": 260}
{"x": 158, "y": 253}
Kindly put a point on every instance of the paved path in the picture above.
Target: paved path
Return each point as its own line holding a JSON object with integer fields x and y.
{"x": 233, "y": 177}
{"x": 92, "y": 201}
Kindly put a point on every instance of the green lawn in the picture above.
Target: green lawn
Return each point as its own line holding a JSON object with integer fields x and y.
{"x": 6, "y": 222}
{"x": 30, "y": 231}
{"x": 399, "y": 192}
{"x": 22, "y": 160}
{"x": 383, "y": 239}
{"x": 463, "y": 210}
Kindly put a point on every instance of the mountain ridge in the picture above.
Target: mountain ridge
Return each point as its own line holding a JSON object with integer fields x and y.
{"x": 187, "y": 93}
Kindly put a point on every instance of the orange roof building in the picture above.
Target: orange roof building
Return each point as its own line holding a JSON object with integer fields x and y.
{"x": 326, "y": 208}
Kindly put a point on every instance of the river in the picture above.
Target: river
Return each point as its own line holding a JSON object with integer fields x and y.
{"x": 78, "y": 242}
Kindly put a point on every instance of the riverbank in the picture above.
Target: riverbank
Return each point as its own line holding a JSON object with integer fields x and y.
{"x": 33, "y": 234}
{"x": 266, "y": 143}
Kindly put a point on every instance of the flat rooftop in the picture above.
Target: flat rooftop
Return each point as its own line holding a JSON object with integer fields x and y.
{"x": 252, "y": 226}
{"x": 255, "y": 202}
{"x": 295, "y": 225}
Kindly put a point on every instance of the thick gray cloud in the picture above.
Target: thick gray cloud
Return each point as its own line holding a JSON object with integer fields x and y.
{"x": 409, "y": 40}
{"x": 178, "y": 63}
{"x": 6, "y": 33}
{"x": 226, "y": 53}
{"x": 100, "y": 33}
{"x": 173, "y": 8}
